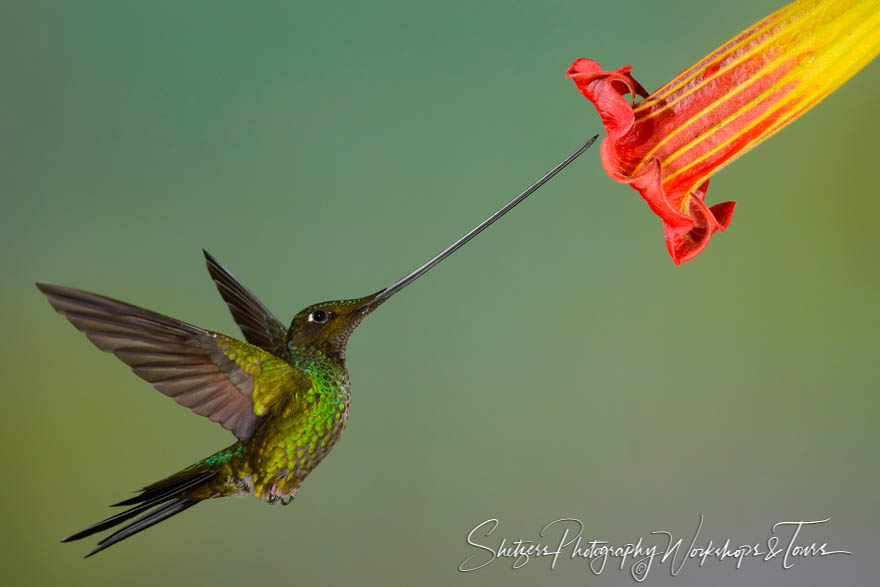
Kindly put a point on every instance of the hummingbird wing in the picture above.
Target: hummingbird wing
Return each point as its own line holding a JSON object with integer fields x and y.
{"x": 228, "y": 381}
{"x": 257, "y": 323}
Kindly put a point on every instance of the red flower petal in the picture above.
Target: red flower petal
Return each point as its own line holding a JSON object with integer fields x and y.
{"x": 688, "y": 222}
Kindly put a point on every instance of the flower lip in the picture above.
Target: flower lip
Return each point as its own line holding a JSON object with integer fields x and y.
{"x": 688, "y": 222}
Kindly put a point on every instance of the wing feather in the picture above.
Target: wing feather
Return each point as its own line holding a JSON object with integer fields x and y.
{"x": 195, "y": 367}
{"x": 258, "y": 325}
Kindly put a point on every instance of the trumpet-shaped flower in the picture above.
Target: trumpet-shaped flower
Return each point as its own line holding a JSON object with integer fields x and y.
{"x": 667, "y": 145}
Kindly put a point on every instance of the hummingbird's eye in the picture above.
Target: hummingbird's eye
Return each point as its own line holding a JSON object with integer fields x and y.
{"x": 319, "y": 316}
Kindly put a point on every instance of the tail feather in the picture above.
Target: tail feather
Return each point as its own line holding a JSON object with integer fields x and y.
{"x": 168, "y": 487}
{"x": 159, "y": 514}
{"x": 164, "y": 498}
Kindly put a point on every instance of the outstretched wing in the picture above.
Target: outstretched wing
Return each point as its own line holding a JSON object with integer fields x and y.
{"x": 227, "y": 380}
{"x": 258, "y": 325}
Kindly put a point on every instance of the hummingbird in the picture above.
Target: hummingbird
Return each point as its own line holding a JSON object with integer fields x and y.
{"x": 283, "y": 392}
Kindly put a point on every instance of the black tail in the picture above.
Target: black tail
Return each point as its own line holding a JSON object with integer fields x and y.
{"x": 160, "y": 500}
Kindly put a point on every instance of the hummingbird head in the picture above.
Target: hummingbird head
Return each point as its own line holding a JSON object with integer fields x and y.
{"x": 327, "y": 326}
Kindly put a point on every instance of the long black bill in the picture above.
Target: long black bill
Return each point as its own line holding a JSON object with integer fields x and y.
{"x": 405, "y": 281}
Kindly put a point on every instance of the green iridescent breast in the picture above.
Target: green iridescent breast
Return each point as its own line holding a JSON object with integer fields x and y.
{"x": 308, "y": 426}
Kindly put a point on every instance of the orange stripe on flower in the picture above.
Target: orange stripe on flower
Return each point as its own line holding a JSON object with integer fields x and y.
{"x": 712, "y": 63}
{"x": 686, "y": 129}
{"x": 711, "y": 70}
{"x": 669, "y": 144}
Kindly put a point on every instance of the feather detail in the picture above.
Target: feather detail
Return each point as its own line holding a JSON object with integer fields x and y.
{"x": 157, "y": 502}
{"x": 152, "y": 518}
{"x": 212, "y": 374}
{"x": 258, "y": 325}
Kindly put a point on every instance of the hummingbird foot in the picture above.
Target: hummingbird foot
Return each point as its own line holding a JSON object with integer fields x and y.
{"x": 277, "y": 493}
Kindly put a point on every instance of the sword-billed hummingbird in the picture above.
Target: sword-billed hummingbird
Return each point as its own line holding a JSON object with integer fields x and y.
{"x": 284, "y": 394}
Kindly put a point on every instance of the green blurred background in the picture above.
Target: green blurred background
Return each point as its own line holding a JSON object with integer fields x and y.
{"x": 559, "y": 365}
